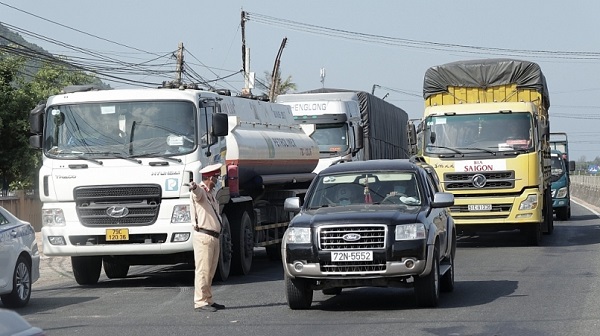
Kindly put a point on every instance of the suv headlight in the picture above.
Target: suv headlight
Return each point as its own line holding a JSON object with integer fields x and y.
{"x": 297, "y": 236}
{"x": 410, "y": 231}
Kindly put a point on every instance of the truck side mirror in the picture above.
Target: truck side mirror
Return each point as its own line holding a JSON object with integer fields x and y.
{"x": 220, "y": 124}
{"x": 358, "y": 138}
{"x": 571, "y": 165}
{"x": 36, "y": 119}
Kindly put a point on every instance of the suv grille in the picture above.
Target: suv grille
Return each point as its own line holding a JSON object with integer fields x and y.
{"x": 371, "y": 237}
{"x": 142, "y": 203}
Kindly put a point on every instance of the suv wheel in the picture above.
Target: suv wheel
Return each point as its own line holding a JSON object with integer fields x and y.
{"x": 427, "y": 288}
{"x": 299, "y": 293}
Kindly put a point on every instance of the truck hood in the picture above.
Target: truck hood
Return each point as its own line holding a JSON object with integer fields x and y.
{"x": 66, "y": 175}
{"x": 357, "y": 214}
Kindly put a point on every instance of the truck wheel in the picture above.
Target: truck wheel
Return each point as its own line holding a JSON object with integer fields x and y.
{"x": 114, "y": 269}
{"x": 533, "y": 234}
{"x": 242, "y": 238}
{"x": 447, "y": 281}
{"x": 21, "y": 288}
{"x": 274, "y": 252}
{"x": 224, "y": 263}
{"x": 332, "y": 291}
{"x": 562, "y": 213}
{"x": 86, "y": 269}
{"x": 298, "y": 292}
{"x": 427, "y": 288}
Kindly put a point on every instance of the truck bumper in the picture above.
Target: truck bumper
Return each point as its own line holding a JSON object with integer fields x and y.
{"x": 91, "y": 242}
{"x": 504, "y": 211}
{"x": 560, "y": 202}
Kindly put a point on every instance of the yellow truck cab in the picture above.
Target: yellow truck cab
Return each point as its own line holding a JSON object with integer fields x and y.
{"x": 485, "y": 130}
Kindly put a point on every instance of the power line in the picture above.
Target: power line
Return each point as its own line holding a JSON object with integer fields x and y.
{"x": 416, "y": 44}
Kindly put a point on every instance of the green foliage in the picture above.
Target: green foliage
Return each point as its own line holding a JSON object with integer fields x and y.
{"x": 19, "y": 94}
{"x": 283, "y": 86}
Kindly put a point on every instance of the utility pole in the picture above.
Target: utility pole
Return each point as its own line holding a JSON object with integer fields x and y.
{"x": 245, "y": 57}
{"x": 179, "y": 69}
{"x": 275, "y": 75}
{"x": 322, "y": 73}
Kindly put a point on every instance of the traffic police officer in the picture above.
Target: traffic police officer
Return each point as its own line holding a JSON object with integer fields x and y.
{"x": 207, "y": 227}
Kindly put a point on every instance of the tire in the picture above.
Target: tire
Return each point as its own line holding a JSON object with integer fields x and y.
{"x": 299, "y": 294}
{"x": 332, "y": 291}
{"x": 274, "y": 252}
{"x": 86, "y": 269}
{"x": 21, "y": 289}
{"x": 242, "y": 238}
{"x": 447, "y": 280}
{"x": 224, "y": 263}
{"x": 533, "y": 234}
{"x": 114, "y": 269}
{"x": 563, "y": 213}
{"x": 427, "y": 288}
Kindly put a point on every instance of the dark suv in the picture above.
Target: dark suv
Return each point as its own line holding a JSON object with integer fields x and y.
{"x": 379, "y": 223}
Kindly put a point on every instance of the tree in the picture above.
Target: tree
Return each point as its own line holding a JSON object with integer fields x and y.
{"x": 19, "y": 94}
{"x": 282, "y": 87}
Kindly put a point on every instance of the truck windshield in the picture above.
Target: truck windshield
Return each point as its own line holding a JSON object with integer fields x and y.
{"x": 331, "y": 138}
{"x": 478, "y": 133}
{"x": 120, "y": 129}
{"x": 558, "y": 165}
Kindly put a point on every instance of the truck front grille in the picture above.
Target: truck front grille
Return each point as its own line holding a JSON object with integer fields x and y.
{"x": 494, "y": 180}
{"x": 117, "y": 205}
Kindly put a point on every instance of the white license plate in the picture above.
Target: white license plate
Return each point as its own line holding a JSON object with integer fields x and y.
{"x": 340, "y": 256}
{"x": 480, "y": 207}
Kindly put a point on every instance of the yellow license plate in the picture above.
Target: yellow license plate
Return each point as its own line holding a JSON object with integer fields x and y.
{"x": 117, "y": 234}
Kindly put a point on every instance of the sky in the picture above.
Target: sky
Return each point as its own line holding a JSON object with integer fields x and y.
{"x": 381, "y": 46}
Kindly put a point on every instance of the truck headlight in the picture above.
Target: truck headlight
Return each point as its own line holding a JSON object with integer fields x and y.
{"x": 562, "y": 192}
{"x": 410, "y": 231}
{"x": 297, "y": 236}
{"x": 181, "y": 214}
{"x": 53, "y": 217}
{"x": 529, "y": 203}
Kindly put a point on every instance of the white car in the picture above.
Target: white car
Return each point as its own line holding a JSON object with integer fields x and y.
{"x": 19, "y": 260}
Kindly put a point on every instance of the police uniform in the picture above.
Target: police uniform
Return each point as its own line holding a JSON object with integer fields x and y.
{"x": 205, "y": 239}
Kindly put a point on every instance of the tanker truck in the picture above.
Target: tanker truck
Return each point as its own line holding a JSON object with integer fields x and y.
{"x": 350, "y": 125}
{"x": 485, "y": 130}
{"x": 116, "y": 168}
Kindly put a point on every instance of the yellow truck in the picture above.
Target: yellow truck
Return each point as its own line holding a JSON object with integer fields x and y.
{"x": 486, "y": 130}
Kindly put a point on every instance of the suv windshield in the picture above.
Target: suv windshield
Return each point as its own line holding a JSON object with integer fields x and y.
{"x": 128, "y": 129}
{"x": 389, "y": 187}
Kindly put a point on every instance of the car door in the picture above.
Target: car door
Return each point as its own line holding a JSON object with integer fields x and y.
{"x": 8, "y": 252}
{"x": 440, "y": 215}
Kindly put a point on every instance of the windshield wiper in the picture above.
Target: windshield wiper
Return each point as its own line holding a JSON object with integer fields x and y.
{"x": 116, "y": 155}
{"x": 480, "y": 149}
{"x": 448, "y": 148}
{"x": 159, "y": 155}
{"x": 83, "y": 157}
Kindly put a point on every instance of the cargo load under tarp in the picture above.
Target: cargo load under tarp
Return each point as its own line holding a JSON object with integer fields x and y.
{"x": 486, "y": 73}
{"x": 385, "y": 133}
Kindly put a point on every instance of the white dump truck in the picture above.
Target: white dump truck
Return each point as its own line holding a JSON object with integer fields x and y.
{"x": 351, "y": 125}
{"x": 117, "y": 165}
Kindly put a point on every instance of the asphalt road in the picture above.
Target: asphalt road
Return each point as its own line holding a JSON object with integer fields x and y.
{"x": 503, "y": 287}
